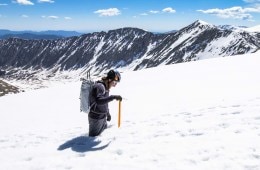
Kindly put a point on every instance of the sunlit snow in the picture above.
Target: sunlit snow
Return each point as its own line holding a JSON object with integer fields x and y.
{"x": 200, "y": 115}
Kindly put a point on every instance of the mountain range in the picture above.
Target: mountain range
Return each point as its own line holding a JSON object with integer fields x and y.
{"x": 122, "y": 49}
{"x": 5, "y": 34}
{"x": 30, "y": 36}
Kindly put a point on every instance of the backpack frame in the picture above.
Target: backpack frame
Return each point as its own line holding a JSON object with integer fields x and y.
{"x": 85, "y": 92}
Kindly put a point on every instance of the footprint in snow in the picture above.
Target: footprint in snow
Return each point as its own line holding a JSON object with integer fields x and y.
{"x": 235, "y": 113}
{"x": 119, "y": 152}
{"x": 28, "y": 159}
{"x": 185, "y": 113}
{"x": 3, "y": 140}
{"x": 81, "y": 155}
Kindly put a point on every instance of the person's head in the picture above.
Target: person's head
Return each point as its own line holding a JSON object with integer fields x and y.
{"x": 113, "y": 77}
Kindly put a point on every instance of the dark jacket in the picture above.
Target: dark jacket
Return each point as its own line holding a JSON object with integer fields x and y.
{"x": 99, "y": 100}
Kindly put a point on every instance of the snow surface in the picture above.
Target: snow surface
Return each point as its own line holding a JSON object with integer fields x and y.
{"x": 253, "y": 29}
{"x": 199, "y": 115}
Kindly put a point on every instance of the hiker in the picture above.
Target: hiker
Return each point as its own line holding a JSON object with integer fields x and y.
{"x": 99, "y": 99}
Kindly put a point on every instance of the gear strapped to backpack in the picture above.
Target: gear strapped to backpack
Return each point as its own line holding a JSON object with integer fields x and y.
{"x": 85, "y": 92}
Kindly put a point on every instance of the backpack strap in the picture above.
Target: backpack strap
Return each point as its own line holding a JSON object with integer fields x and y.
{"x": 88, "y": 75}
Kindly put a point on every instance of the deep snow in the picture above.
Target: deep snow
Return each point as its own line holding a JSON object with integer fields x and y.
{"x": 197, "y": 115}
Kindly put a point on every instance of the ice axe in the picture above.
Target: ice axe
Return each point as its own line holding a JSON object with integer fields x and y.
{"x": 119, "y": 114}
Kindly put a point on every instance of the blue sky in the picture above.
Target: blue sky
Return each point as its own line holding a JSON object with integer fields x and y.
{"x": 151, "y": 15}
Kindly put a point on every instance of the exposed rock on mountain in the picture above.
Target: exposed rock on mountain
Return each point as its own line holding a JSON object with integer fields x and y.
{"x": 125, "y": 48}
{"x": 6, "y": 88}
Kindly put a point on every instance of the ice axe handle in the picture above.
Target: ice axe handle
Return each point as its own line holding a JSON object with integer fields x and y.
{"x": 119, "y": 114}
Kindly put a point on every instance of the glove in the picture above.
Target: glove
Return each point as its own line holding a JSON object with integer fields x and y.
{"x": 118, "y": 97}
{"x": 108, "y": 117}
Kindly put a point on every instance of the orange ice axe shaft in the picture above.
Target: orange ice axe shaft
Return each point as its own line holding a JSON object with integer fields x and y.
{"x": 119, "y": 114}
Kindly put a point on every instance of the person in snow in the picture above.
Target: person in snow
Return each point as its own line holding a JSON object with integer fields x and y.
{"x": 99, "y": 99}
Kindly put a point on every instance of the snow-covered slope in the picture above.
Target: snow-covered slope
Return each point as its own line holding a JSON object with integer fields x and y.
{"x": 199, "y": 115}
{"x": 253, "y": 29}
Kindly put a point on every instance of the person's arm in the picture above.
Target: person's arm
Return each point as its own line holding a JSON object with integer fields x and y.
{"x": 99, "y": 91}
{"x": 104, "y": 100}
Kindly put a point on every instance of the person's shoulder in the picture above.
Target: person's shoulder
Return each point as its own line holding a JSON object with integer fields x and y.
{"x": 99, "y": 84}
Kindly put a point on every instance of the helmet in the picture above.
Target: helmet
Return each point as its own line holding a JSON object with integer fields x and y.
{"x": 114, "y": 75}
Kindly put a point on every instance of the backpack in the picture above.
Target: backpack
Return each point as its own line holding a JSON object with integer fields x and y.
{"x": 85, "y": 92}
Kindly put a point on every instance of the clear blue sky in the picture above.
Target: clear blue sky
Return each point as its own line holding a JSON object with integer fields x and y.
{"x": 151, "y": 15}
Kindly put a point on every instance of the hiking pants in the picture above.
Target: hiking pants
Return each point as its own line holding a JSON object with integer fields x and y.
{"x": 96, "y": 126}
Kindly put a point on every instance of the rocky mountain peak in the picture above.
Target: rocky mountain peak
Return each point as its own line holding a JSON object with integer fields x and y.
{"x": 124, "y": 49}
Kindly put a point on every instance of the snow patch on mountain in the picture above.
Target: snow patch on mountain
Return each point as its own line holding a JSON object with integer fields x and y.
{"x": 253, "y": 29}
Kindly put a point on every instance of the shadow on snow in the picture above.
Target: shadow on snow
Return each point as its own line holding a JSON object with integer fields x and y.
{"x": 83, "y": 144}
